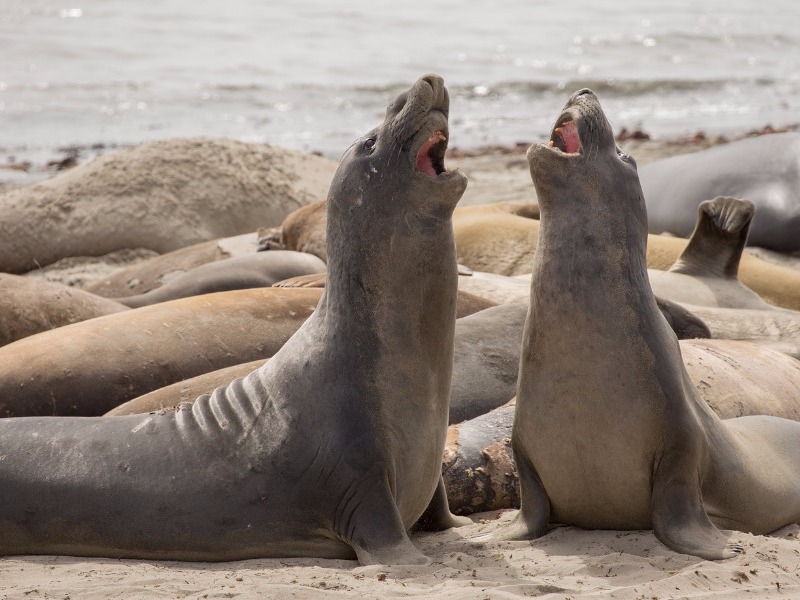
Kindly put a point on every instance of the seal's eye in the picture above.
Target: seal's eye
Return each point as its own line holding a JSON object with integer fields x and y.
{"x": 369, "y": 144}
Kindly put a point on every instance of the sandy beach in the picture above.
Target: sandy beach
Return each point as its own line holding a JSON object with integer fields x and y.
{"x": 566, "y": 564}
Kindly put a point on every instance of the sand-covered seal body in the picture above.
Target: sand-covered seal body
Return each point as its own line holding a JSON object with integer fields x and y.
{"x": 161, "y": 195}
{"x": 333, "y": 449}
{"x": 764, "y": 169}
{"x": 609, "y": 432}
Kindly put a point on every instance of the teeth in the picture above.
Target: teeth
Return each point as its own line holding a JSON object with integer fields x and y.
{"x": 441, "y": 136}
{"x": 558, "y": 130}
{"x": 551, "y": 143}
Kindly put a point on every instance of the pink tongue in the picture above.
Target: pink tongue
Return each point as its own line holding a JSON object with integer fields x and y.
{"x": 569, "y": 133}
{"x": 424, "y": 161}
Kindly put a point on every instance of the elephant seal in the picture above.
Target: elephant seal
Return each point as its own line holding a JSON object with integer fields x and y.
{"x": 707, "y": 271}
{"x": 764, "y": 169}
{"x": 29, "y": 306}
{"x": 333, "y": 448}
{"x": 151, "y": 347}
{"x": 154, "y": 272}
{"x": 776, "y": 329}
{"x": 143, "y": 349}
{"x": 609, "y": 432}
{"x": 304, "y": 228}
{"x": 260, "y": 269}
{"x": 160, "y": 195}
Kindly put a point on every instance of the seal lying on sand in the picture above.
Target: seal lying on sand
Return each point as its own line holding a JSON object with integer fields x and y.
{"x": 764, "y": 169}
{"x": 29, "y": 306}
{"x": 303, "y": 229}
{"x": 707, "y": 271}
{"x": 486, "y": 357}
{"x": 161, "y": 195}
{"x": 134, "y": 352}
{"x": 260, "y": 269}
{"x": 157, "y": 270}
{"x": 333, "y": 449}
{"x": 609, "y": 432}
{"x": 151, "y": 347}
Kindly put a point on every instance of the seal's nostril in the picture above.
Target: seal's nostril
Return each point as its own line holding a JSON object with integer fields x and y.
{"x": 583, "y": 92}
{"x": 434, "y": 81}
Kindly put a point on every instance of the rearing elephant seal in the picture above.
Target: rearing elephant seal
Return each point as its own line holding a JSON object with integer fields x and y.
{"x": 609, "y": 432}
{"x": 333, "y": 449}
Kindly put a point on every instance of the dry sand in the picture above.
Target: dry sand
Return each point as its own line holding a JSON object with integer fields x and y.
{"x": 566, "y": 564}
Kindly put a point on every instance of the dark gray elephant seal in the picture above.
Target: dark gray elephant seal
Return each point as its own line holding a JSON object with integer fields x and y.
{"x": 333, "y": 449}
{"x": 764, "y": 169}
{"x": 609, "y": 432}
{"x": 260, "y": 269}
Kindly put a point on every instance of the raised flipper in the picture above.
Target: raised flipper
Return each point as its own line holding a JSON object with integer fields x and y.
{"x": 375, "y": 530}
{"x": 718, "y": 240}
{"x": 680, "y": 520}
{"x": 438, "y": 516}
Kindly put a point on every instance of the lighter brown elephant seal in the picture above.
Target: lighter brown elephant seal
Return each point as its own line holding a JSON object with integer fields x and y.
{"x": 30, "y": 305}
{"x": 333, "y": 448}
{"x": 140, "y": 350}
{"x": 609, "y": 432}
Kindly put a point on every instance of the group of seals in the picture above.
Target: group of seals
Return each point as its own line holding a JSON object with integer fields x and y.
{"x": 333, "y": 448}
{"x": 608, "y": 431}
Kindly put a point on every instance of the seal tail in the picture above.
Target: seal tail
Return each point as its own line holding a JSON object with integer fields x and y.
{"x": 718, "y": 240}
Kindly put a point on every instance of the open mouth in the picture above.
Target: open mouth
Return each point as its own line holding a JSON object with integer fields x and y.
{"x": 430, "y": 158}
{"x": 565, "y": 137}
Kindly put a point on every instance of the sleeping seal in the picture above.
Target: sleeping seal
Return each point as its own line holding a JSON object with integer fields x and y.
{"x": 764, "y": 169}
{"x": 333, "y": 448}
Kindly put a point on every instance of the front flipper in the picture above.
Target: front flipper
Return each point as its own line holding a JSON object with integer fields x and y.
{"x": 679, "y": 519}
{"x": 438, "y": 516}
{"x": 375, "y": 530}
{"x": 533, "y": 519}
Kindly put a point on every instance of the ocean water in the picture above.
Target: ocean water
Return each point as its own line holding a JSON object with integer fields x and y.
{"x": 312, "y": 74}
